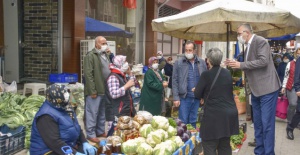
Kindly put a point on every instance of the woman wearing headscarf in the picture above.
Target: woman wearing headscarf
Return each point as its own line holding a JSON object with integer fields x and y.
{"x": 55, "y": 126}
{"x": 152, "y": 95}
{"x": 119, "y": 87}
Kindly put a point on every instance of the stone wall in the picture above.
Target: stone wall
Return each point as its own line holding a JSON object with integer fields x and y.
{"x": 40, "y": 30}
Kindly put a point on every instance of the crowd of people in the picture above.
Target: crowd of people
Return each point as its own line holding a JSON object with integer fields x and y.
{"x": 194, "y": 83}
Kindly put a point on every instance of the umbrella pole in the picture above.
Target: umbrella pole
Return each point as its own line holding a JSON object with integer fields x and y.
{"x": 227, "y": 38}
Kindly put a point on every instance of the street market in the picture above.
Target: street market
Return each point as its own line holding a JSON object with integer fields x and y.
{"x": 137, "y": 77}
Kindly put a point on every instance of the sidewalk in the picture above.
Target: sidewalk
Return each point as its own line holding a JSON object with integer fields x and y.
{"x": 283, "y": 146}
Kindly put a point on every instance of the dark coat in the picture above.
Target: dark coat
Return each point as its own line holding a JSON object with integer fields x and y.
{"x": 152, "y": 93}
{"x": 220, "y": 113}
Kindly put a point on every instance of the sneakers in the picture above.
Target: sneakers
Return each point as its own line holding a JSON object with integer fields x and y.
{"x": 289, "y": 134}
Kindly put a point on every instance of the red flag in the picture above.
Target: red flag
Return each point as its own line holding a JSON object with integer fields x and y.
{"x": 130, "y": 4}
{"x": 198, "y": 42}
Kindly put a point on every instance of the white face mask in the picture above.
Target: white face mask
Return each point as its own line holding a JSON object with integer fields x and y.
{"x": 103, "y": 48}
{"x": 189, "y": 56}
{"x": 67, "y": 96}
{"x": 124, "y": 67}
{"x": 241, "y": 40}
{"x": 159, "y": 57}
{"x": 155, "y": 66}
{"x": 286, "y": 60}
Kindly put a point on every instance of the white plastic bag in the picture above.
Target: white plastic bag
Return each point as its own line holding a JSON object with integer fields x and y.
{"x": 11, "y": 88}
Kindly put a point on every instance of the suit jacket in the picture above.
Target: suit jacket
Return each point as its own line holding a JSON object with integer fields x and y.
{"x": 259, "y": 68}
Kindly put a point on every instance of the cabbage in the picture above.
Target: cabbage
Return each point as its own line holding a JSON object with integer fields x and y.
{"x": 171, "y": 131}
{"x": 160, "y": 122}
{"x": 172, "y": 147}
{"x": 144, "y": 149}
{"x": 153, "y": 138}
{"x": 140, "y": 140}
{"x": 177, "y": 140}
{"x": 129, "y": 147}
{"x": 145, "y": 130}
{"x": 185, "y": 137}
{"x": 161, "y": 149}
{"x": 162, "y": 133}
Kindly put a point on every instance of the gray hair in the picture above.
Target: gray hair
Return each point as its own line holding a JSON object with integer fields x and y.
{"x": 215, "y": 56}
{"x": 247, "y": 26}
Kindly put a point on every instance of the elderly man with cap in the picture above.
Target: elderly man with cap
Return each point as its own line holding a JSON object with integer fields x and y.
{"x": 161, "y": 60}
{"x": 55, "y": 126}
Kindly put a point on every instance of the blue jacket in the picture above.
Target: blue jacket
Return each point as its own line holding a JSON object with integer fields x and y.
{"x": 69, "y": 129}
{"x": 281, "y": 70}
{"x": 180, "y": 74}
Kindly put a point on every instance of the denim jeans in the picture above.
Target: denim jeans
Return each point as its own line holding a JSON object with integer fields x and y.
{"x": 264, "y": 108}
{"x": 188, "y": 110}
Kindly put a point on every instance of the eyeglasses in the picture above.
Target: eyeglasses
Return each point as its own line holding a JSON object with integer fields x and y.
{"x": 240, "y": 33}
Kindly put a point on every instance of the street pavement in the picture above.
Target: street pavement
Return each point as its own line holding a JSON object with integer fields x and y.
{"x": 283, "y": 146}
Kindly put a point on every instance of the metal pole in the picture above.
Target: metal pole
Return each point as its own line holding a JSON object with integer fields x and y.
{"x": 227, "y": 38}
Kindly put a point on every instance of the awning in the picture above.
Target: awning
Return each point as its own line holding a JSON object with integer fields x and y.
{"x": 95, "y": 27}
{"x": 285, "y": 37}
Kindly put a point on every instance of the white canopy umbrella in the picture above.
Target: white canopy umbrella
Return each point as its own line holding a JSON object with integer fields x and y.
{"x": 218, "y": 20}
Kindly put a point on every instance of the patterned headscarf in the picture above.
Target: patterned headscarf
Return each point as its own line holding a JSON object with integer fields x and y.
{"x": 58, "y": 96}
{"x": 150, "y": 61}
{"x": 119, "y": 60}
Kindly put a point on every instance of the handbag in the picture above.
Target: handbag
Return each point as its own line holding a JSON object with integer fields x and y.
{"x": 281, "y": 107}
{"x": 201, "y": 113}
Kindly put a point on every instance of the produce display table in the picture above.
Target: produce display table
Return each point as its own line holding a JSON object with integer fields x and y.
{"x": 186, "y": 149}
{"x": 189, "y": 146}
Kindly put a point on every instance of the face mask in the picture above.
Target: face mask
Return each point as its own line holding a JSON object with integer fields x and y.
{"x": 67, "y": 96}
{"x": 155, "y": 66}
{"x": 283, "y": 52}
{"x": 159, "y": 57}
{"x": 171, "y": 62}
{"x": 241, "y": 40}
{"x": 124, "y": 67}
{"x": 286, "y": 60}
{"x": 103, "y": 48}
{"x": 189, "y": 56}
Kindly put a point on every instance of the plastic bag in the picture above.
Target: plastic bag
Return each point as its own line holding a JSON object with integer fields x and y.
{"x": 11, "y": 88}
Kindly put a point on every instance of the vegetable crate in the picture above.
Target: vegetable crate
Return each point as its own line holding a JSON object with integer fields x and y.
{"x": 11, "y": 141}
{"x": 63, "y": 78}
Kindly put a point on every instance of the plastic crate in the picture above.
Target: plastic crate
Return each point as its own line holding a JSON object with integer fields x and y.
{"x": 14, "y": 143}
{"x": 63, "y": 78}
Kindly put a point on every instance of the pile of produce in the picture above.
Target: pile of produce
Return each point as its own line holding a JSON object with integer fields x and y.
{"x": 17, "y": 110}
{"x": 77, "y": 98}
{"x": 237, "y": 140}
{"x": 156, "y": 137}
{"x": 182, "y": 130}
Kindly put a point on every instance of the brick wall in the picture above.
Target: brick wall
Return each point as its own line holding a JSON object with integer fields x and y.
{"x": 40, "y": 37}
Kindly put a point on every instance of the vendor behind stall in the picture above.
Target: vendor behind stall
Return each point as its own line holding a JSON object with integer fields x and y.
{"x": 55, "y": 125}
{"x": 119, "y": 87}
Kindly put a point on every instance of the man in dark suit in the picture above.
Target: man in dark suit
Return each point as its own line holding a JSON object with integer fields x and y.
{"x": 264, "y": 84}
